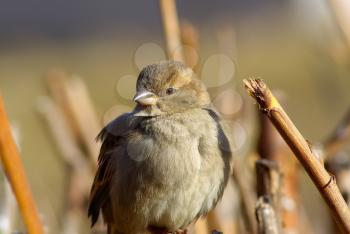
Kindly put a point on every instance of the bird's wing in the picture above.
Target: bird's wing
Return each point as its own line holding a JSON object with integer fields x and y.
{"x": 111, "y": 136}
{"x": 225, "y": 148}
{"x": 224, "y": 140}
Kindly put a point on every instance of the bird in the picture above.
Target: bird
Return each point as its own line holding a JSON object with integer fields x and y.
{"x": 166, "y": 163}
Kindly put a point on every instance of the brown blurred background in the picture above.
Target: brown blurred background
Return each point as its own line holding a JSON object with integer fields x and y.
{"x": 296, "y": 46}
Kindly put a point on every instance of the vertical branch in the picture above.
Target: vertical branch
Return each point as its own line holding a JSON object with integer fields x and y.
{"x": 15, "y": 172}
{"x": 189, "y": 38}
{"x": 171, "y": 29}
{"x": 268, "y": 139}
{"x": 266, "y": 217}
{"x": 268, "y": 189}
{"x": 324, "y": 182}
{"x": 272, "y": 147}
{"x": 268, "y": 180}
{"x": 267, "y": 177}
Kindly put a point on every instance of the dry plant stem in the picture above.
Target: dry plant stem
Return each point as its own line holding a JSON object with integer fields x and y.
{"x": 268, "y": 189}
{"x": 266, "y": 217}
{"x": 248, "y": 200}
{"x": 339, "y": 137}
{"x": 80, "y": 176}
{"x": 267, "y": 168}
{"x": 73, "y": 98}
{"x": 268, "y": 179}
{"x": 268, "y": 139}
{"x": 56, "y": 81}
{"x": 189, "y": 38}
{"x": 171, "y": 29}
{"x": 70, "y": 151}
{"x": 290, "y": 192}
{"x": 272, "y": 147}
{"x": 61, "y": 132}
{"x": 84, "y": 115}
{"x": 15, "y": 172}
{"x": 324, "y": 182}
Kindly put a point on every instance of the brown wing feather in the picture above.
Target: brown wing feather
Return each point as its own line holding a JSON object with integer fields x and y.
{"x": 111, "y": 137}
{"x": 99, "y": 194}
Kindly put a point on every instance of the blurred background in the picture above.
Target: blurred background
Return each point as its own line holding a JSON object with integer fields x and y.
{"x": 300, "y": 48}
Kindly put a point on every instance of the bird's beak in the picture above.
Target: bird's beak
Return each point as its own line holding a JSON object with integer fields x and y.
{"x": 145, "y": 98}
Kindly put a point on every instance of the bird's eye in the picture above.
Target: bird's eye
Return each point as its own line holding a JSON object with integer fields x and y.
{"x": 170, "y": 91}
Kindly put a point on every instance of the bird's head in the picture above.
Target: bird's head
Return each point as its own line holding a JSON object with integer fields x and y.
{"x": 168, "y": 87}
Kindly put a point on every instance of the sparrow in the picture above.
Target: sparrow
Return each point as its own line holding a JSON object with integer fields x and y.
{"x": 165, "y": 164}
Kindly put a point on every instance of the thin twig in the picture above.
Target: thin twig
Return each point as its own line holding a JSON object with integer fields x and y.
{"x": 324, "y": 182}
{"x": 15, "y": 172}
{"x": 171, "y": 30}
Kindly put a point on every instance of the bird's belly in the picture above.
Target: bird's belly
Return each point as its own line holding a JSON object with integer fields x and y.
{"x": 169, "y": 187}
{"x": 176, "y": 207}
{"x": 171, "y": 204}
{"x": 173, "y": 187}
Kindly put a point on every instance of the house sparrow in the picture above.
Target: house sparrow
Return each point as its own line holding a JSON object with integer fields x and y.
{"x": 165, "y": 164}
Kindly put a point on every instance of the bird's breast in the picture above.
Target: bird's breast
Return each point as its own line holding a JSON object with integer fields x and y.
{"x": 167, "y": 151}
